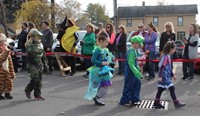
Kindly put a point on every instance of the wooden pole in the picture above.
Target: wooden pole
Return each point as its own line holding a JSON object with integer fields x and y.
{"x": 3, "y": 19}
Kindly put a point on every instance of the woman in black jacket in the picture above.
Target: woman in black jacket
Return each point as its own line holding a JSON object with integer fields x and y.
{"x": 121, "y": 48}
{"x": 167, "y": 35}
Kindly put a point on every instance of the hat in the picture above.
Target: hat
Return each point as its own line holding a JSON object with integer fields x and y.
{"x": 141, "y": 25}
{"x": 71, "y": 20}
{"x": 35, "y": 32}
{"x": 2, "y": 37}
{"x": 138, "y": 39}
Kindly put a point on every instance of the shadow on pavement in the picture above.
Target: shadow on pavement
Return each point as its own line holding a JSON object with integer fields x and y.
{"x": 15, "y": 103}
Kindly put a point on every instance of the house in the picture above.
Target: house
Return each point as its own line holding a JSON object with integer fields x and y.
{"x": 180, "y": 15}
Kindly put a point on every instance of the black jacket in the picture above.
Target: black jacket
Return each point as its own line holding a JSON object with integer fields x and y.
{"x": 121, "y": 47}
{"x": 164, "y": 38}
{"x": 22, "y": 39}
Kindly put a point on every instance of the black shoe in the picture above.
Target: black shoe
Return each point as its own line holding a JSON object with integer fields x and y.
{"x": 185, "y": 78}
{"x": 71, "y": 74}
{"x": 28, "y": 94}
{"x": 2, "y": 97}
{"x": 135, "y": 103}
{"x": 158, "y": 105}
{"x": 8, "y": 96}
{"x": 190, "y": 78}
{"x": 98, "y": 102}
{"x": 86, "y": 76}
{"x": 179, "y": 104}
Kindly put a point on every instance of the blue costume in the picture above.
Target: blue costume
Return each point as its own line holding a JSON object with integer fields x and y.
{"x": 165, "y": 71}
{"x": 99, "y": 76}
{"x": 132, "y": 75}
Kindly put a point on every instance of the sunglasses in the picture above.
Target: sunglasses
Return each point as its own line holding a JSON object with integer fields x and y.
{"x": 167, "y": 26}
{"x": 108, "y": 27}
{"x": 119, "y": 28}
{"x": 140, "y": 27}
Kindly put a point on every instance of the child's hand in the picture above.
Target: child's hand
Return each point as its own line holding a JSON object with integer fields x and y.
{"x": 174, "y": 78}
{"x": 105, "y": 63}
{"x": 160, "y": 79}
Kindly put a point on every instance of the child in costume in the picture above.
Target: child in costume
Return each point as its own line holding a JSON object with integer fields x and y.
{"x": 141, "y": 56}
{"x": 100, "y": 74}
{"x": 132, "y": 74}
{"x": 7, "y": 73}
{"x": 165, "y": 74}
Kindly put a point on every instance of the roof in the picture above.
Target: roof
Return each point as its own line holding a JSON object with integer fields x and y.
{"x": 142, "y": 11}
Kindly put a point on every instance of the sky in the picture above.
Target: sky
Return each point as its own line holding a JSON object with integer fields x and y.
{"x": 109, "y": 4}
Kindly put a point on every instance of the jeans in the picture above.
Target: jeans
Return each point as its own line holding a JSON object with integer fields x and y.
{"x": 121, "y": 55}
{"x": 87, "y": 62}
{"x": 151, "y": 65}
{"x": 188, "y": 67}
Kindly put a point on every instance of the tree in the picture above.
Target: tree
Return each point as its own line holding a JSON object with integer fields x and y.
{"x": 69, "y": 8}
{"x": 33, "y": 11}
{"x": 97, "y": 13}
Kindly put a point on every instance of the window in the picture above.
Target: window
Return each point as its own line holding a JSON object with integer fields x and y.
{"x": 155, "y": 21}
{"x": 180, "y": 21}
{"x": 128, "y": 22}
{"x": 180, "y": 35}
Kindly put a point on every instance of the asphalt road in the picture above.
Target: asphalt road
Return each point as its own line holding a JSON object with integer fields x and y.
{"x": 64, "y": 97}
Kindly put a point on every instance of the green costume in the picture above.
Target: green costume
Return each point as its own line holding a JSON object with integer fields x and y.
{"x": 35, "y": 63}
{"x": 132, "y": 75}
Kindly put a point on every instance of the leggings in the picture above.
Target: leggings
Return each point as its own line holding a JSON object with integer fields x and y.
{"x": 172, "y": 93}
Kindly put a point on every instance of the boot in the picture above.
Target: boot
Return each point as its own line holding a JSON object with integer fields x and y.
{"x": 178, "y": 104}
{"x": 28, "y": 94}
{"x": 8, "y": 96}
{"x": 39, "y": 97}
{"x": 97, "y": 102}
{"x": 1, "y": 97}
{"x": 158, "y": 105}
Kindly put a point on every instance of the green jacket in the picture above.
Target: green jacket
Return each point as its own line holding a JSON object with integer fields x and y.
{"x": 88, "y": 44}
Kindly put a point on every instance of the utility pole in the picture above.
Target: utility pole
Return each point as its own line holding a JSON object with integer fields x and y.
{"x": 52, "y": 15}
{"x": 3, "y": 19}
{"x": 115, "y": 14}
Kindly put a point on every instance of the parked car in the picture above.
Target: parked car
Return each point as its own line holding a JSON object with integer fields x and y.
{"x": 197, "y": 64}
{"x": 179, "y": 48}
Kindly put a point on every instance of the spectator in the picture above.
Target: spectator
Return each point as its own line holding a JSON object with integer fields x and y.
{"x": 88, "y": 44}
{"x": 47, "y": 41}
{"x": 21, "y": 44}
{"x": 121, "y": 48}
{"x": 190, "y": 52}
{"x": 141, "y": 30}
{"x": 31, "y": 26}
{"x": 100, "y": 29}
{"x": 112, "y": 42}
{"x": 150, "y": 48}
{"x": 13, "y": 55}
{"x": 69, "y": 41}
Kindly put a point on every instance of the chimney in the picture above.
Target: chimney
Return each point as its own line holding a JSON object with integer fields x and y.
{"x": 143, "y": 3}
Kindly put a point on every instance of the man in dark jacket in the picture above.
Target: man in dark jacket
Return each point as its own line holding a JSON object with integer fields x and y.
{"x": 21, "y": 43}
{"x": 47, "y": 41}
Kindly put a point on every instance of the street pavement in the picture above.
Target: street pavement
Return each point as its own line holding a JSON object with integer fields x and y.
{"x": 64, "y": 97}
